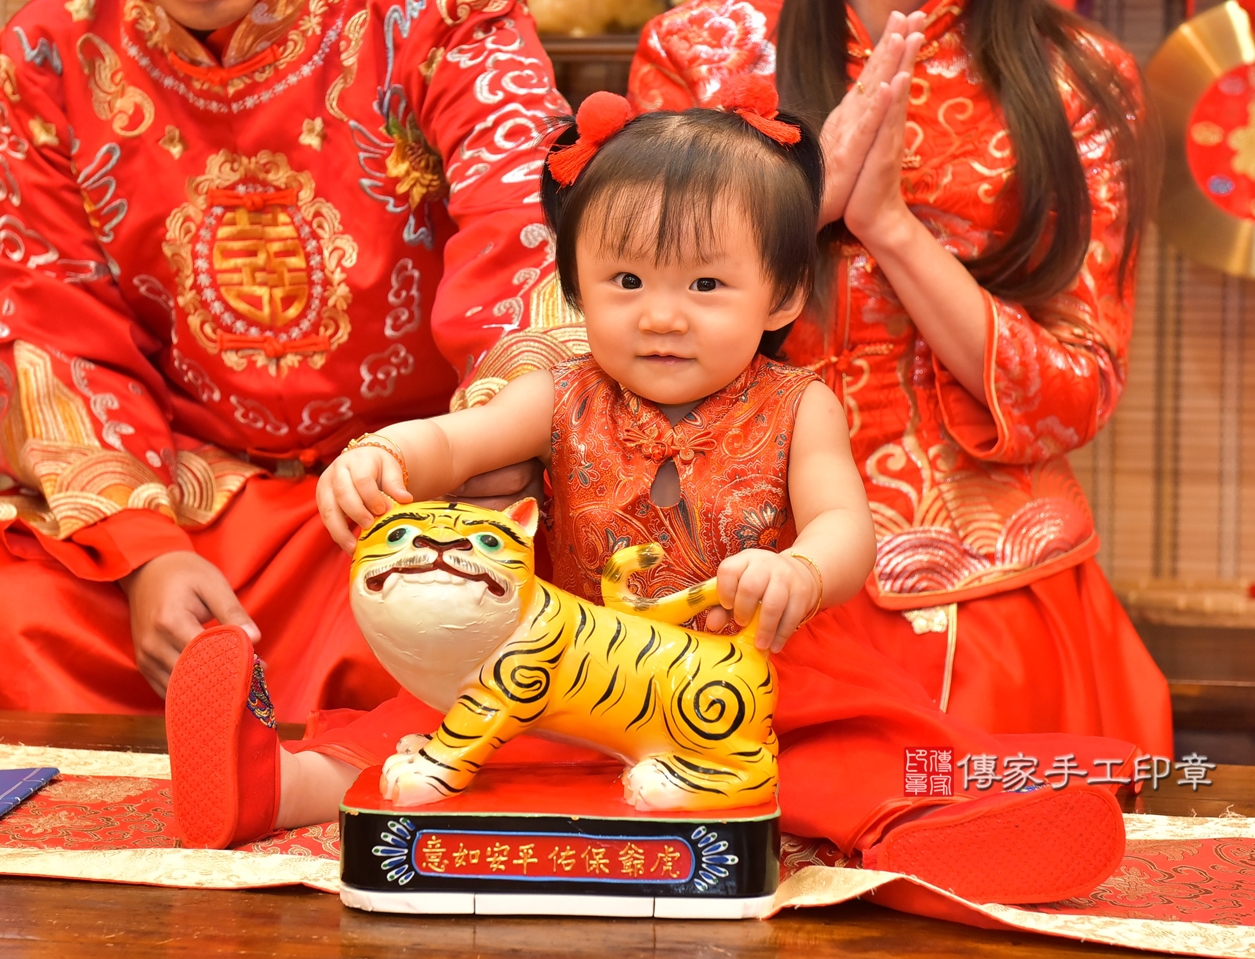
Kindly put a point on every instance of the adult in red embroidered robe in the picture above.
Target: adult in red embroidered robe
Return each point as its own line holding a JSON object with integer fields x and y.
{"x": 985, "y": 586}
{"x": 225, "y": 255}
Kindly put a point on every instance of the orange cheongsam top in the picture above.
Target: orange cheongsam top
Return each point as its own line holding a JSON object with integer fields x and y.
{"x": 732, "y": 455}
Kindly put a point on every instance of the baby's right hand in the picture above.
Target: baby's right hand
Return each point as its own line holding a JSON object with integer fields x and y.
{"x": 361, "y": 484}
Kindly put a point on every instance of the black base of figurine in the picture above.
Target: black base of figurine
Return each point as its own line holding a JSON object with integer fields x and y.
{"x": 554, "y": 840}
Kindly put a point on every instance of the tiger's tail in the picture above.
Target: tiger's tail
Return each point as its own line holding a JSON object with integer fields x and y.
{"x": 677, "y": 608}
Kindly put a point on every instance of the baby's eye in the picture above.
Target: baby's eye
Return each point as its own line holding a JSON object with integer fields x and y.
{"x": 629, "y": 281}
{"x": 487, "y": 542}
{"x": 705, "y": 284}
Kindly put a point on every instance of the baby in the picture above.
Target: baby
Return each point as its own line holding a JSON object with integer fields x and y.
{"x": 688, "y": 241}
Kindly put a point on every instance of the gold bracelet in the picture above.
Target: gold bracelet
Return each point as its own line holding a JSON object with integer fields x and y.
{"x": 802, "y": 557}
{"x": 389, "y": 446}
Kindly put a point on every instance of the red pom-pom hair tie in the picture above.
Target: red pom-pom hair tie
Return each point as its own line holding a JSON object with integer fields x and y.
{"x": 753, "y": 98}
{"x": 601, "y": 116}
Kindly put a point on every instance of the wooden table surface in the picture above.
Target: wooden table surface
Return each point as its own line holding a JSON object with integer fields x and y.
{"x": 53, "y": 918}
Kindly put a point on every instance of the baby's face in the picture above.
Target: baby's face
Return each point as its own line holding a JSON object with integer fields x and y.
{"x": 677, "y": 332}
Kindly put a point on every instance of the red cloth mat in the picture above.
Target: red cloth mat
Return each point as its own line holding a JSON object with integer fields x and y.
{"x": 1181, "y": 891}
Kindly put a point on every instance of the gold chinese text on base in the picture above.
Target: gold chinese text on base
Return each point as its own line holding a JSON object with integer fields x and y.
{"x": 261, "y": 264}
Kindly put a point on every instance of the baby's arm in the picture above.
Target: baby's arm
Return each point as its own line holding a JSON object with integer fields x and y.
{"x": 834, "y": 524}
{"x": 440, "y": 454}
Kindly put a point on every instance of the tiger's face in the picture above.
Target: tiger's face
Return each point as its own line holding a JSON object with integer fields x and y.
{"x": 436, "y": 587}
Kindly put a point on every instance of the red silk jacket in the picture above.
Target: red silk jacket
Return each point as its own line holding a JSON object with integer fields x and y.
{"x": 968, "y": 500}
{"x": 210, "y": 264}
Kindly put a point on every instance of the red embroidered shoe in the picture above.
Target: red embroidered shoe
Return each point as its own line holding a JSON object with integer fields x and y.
{"x": 224, "y": 750}
{"x": 1010, "y": 848}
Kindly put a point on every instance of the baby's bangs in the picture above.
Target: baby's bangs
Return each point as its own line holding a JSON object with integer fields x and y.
{"x": 664, "y": 221}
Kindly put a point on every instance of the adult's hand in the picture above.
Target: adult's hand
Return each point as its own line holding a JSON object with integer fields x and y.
{"x": 173, "y": 597}
{"x": 503, "y": 487}
{"x": 852, "y": 126}
{"x": 876, "y": 206}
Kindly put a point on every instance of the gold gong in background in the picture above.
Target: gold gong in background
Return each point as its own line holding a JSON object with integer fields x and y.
{"x": 1203, "y": 81}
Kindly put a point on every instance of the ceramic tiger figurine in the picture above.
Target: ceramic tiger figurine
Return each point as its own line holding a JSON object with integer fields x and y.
{"x": 447, "y": 597}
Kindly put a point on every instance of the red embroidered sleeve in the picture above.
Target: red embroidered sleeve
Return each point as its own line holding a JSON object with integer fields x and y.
{"x": 1053, "y": 374}
{"x": 685, "y": 54}
{"x": 83, "y": 414}
{"x": 487, "y": 94}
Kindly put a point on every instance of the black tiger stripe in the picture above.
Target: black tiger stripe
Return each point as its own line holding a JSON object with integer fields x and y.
{"x": 448, "y": 789}
{"x": 766, "y": 683}
{"x": 747, "y": 753}
{"x": 431, "y": 759}
{"x": 525, "y": 720}
{"x": 689, "y": 643}
{"x": 392, "y": 518}
{"x": 654, "y": 641}
{"x": 682, "y": 780}
{"x": 703, "y": 770}
{"x": 528, "y": 682}
{"x": 475, "y": 706}
{"x": 581, "y": 676}
{"x": 720, "y": 707}
{"x": 732, "y": 652}
{"x": 647, "y": 707}
{"x": 666, "y": 722}
{"x": 543, "y": 606}
{"x": 758, "y": 785}
{"x": 618, "y": 637}
{"x": 444, "y": 728}
{"x": 614, "y": 678}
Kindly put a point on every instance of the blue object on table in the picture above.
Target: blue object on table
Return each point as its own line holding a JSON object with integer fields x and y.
{"x": 17, "y": 784}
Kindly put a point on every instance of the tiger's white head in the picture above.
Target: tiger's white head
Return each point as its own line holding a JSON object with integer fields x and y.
{"x": 435, "y": 587}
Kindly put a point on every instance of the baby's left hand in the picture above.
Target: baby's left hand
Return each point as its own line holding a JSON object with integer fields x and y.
{"x": 786, "y": 587}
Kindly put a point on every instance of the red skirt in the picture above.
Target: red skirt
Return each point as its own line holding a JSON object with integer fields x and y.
{"x": 1058, "y": 655}
{"x": 67, "y": 641}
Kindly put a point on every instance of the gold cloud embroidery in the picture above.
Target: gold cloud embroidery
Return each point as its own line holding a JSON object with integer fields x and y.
{"x": 128, "y": 109}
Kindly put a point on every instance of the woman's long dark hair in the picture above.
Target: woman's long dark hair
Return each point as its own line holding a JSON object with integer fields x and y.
{"x": 1012, "y": 43}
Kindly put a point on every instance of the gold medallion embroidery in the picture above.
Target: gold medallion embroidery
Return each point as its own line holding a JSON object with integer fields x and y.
{"x": 129, "y": 110}
{"x": 261, "y": 264}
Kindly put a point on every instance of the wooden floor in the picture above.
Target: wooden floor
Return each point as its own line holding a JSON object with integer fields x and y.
{"x": 53, "y": 918}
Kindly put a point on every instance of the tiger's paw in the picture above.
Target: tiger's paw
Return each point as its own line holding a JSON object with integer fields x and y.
{"x": 410, "y": 780}
{"x": 647, "y": 786}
